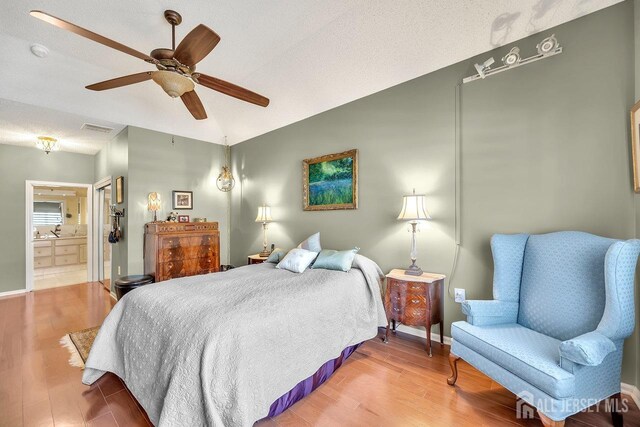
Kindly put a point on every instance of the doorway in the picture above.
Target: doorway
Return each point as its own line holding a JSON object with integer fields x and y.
{"x": 103, "y": 193}
{"x": 58, "y": 234}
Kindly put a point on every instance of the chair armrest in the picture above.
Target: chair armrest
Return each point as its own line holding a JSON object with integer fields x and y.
{"x": 490, "y": 312}
{"x": 588, "y": 349}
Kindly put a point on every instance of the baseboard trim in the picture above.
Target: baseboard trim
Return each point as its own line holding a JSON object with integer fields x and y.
{"x": 632, "y": 391}
{"x": 435, "y": 336}
{"x": 13, "y": 293}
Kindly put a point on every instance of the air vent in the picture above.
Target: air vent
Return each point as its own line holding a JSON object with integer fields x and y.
{"x": 96, "y": 128}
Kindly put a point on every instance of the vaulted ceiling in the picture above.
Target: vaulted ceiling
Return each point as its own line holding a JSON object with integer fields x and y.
{"x": 307, "y": 56}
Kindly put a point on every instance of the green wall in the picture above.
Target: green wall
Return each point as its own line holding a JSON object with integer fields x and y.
{"x": 543, "y": 147}
{"x": 111, "y": 162}
{"x": 17, "y": 165}
{"x": 157, "y": 164}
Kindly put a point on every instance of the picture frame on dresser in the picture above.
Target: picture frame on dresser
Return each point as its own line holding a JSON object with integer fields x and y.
{"x": 182, "y": 199}
{"x": 183, "y": 218}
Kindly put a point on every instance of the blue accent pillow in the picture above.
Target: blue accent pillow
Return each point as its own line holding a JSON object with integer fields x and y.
{"x": 297, "y": 260}
{"x": 335, "y": 260}
{"x": 312, "y": 243}
{"x": 276, "y": 256}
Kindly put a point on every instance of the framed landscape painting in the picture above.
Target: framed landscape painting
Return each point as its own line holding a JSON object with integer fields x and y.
{"x": 330, "y": 182}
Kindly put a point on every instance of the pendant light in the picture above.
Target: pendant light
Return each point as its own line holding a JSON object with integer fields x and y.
{"x": 225, "y": 181}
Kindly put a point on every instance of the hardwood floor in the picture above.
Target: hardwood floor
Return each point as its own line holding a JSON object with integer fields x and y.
{"x": 393, "y": 384}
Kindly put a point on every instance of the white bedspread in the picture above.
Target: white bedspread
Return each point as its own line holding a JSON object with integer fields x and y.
{"x": 218, "y": 349}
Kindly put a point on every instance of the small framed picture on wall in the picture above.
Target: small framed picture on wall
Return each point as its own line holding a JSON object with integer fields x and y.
{"x": 183, "y": 218}
{"x": 182, "y": 199}
{"x": 119, "y": 189}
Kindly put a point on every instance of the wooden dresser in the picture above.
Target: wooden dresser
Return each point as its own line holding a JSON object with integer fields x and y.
{"x": 174, "y": 249}
{"x": 415, "y": 301}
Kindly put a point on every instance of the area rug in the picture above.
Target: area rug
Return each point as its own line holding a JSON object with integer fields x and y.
{"x": 79, "y": 344}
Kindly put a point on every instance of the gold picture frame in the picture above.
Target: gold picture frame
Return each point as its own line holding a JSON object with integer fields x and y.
{"x": 635, "y": 145}
{"x": 119, "y": 189}
{"x": 330, "y": 182}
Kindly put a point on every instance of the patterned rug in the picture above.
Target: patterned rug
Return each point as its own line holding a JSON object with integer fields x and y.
{"x": 79, "y": 344}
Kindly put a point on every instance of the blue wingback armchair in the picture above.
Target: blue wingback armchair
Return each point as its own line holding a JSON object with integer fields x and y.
{"x": 553, "y": 334}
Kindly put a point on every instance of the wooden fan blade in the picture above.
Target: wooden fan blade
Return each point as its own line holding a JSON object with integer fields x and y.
{"x": 121, "y": 81}
{"x": 232, "y": 90}
{"x": 60, "y": 23}
{"x": 194, "y": 105}
{"x": 196, "y": 45}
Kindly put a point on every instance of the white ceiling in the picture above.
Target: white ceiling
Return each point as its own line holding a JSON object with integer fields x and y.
{"x": 21, "y": 124}
{"x": 307, "y": 56}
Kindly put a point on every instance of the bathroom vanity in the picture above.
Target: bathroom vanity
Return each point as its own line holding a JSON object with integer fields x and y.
{"x": 56, "y": 252}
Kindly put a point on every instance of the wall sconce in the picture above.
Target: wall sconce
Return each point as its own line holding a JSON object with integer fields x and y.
{"x": 414, "y": 210}
{"x": 225, "y": 181}
{"x": 154, "y": 203}
{"x": 264, "y": 216}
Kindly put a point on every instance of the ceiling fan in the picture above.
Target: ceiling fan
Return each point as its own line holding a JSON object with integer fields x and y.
{"x": 175, "y": 67}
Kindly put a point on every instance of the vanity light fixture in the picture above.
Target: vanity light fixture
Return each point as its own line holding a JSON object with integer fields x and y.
{"x": 414, "y": 210}
{"x": 549, "y": 46}
{"x": 47, "y": 144}
{"x": 264, "y": 216}
{"x": 225, "y": 181}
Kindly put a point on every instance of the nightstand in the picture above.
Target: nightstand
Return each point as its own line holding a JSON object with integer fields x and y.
{"x": 256, "y": 259}
{"x": 414, "y": 301}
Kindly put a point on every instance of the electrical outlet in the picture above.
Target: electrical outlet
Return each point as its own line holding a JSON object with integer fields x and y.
{"x": 459, "y": 294}
{"x": 118, "y": 269}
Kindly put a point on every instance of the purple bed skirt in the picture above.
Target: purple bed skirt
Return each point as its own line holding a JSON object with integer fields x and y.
{"x": 306, "y": 386}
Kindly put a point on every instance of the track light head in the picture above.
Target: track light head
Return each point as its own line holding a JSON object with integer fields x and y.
{"x": 548, "y": 45}
{"x": 511, "y": 58}
{"x": 481, "y": 69}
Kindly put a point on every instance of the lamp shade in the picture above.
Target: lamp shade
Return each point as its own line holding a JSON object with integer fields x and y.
{"x": 414, "y": 208}
{"x": 264, "y": 214}
{"x": 154, "y": 202}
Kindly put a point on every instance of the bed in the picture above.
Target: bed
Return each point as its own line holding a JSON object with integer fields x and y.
{"x": 228, "y": 349}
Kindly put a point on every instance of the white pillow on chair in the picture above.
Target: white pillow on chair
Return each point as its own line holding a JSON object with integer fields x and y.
{"x": 297, "y": 260}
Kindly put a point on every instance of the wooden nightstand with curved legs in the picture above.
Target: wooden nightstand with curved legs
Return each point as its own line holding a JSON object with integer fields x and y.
{"x": 415, "y": 301}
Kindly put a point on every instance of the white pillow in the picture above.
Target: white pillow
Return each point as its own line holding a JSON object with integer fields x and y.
{"x": 297, "y": 260}
{"x": 312, "y": 243}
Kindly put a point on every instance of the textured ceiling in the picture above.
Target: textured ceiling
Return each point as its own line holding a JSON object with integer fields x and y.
{"x": 21, "y": 124}
{"x": 307, "y": 56}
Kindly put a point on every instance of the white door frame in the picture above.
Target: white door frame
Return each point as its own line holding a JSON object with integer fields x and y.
{"x": 29, "y": 187}
{"x": 97, "y": 230}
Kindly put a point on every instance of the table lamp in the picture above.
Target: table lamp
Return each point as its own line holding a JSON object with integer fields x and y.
{"x": 413, "y": 210}
{"x": 264, "y": 216}
{"x": 153, "y": 205}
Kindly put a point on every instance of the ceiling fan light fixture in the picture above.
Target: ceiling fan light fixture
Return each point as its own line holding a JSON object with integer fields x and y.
{"x": 174, "y": 84}
{"x": 47, "y": 144}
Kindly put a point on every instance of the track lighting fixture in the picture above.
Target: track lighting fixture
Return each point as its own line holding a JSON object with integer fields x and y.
{"x": 547, "y": 45}
{"x": 546, "y": 48}
{"x": 484, "y": 67}
{"x": 512, "y": 58}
